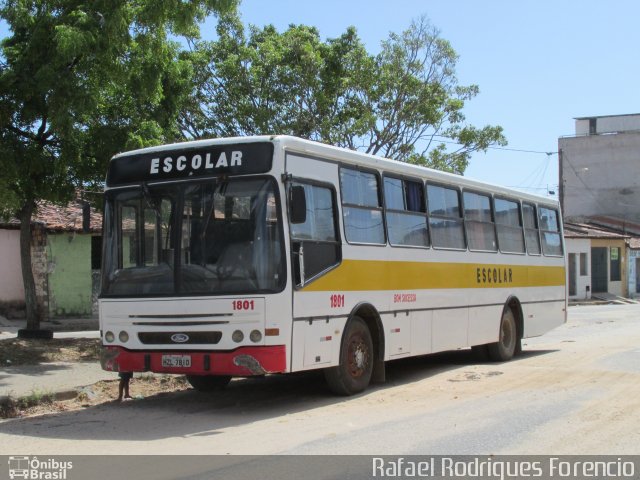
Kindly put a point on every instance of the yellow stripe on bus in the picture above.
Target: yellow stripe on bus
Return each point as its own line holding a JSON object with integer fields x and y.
{"x": 364, "y": 275}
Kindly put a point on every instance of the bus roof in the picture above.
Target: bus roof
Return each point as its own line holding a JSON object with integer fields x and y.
{"x": 338, "y": 154}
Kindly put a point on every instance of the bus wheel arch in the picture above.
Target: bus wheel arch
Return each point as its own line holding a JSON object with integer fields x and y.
{"x": 371, "y": 317}
{"x": 509, "y": 334}
{"x": 516, "y": 308}
{"x": 361, "y": 353}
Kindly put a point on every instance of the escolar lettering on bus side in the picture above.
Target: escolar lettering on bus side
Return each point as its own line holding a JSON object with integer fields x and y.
{"x": 494, "y": 275}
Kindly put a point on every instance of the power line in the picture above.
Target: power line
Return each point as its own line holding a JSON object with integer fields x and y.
{"x": 498, "y": 148}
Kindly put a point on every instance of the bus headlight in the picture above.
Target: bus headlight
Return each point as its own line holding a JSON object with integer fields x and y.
{"x": 123, "y": 336}
{"x": 237, "y": 336}
{"x": 255, "y": 336}
{"x": 109, "y": 337}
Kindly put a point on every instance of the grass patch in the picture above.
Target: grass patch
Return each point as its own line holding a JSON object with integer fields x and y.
{"x": 11, "y": 407}
{"x": 103, "y": 392}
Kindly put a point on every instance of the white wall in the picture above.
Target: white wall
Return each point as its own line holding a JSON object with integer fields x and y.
{"x": 11, "y": 288}
{"x": 612, "y": 124}
{"x": 601, "y": 176}
{"x": 577, "y": 246}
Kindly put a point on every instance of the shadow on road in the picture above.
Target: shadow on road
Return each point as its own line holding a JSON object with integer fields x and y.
{"x": 189, "y": 413}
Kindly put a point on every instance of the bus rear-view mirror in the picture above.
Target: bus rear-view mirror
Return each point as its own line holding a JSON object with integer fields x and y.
{"x": 297, "y": 205}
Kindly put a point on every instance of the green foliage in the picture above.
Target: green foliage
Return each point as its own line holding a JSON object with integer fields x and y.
{"x": 400, "y": 103}
{"x": 80, "y": 81}
{"x": 289, "y": 83}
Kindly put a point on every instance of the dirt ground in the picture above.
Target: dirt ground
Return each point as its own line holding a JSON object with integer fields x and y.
{"x": 573, "y": 391}
{"x": 105, "y": 391}
{"x": 17, "y": 351}
{"x": 20, "y": 351}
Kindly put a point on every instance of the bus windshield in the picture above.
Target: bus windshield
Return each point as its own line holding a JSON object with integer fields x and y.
{"x": 204, "y": 238}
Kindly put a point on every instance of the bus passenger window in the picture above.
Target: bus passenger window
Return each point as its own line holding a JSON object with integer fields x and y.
{"x": 406, "y": 217}
{"x": 445, "y": 217}
{"x": 550, "y": 230}
{"x": 481, "y": 233}
{"x": 531, "y": 234}
{"x": 361, "y": 207}
{"x": 316, "y": 246}
{"x": 509, "y": 226}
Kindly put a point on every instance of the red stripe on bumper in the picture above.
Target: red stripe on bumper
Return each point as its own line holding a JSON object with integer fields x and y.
{"x": 242, "y": 362}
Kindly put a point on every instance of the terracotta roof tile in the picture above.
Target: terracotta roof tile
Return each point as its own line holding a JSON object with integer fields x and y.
{"x": 62, "y": 218}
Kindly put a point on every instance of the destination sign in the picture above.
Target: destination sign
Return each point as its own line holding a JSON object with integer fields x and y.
{"x": 178, "y": 163}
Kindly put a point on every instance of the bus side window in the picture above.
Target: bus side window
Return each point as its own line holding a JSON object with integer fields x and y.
{"x": 531, "y": 234}
{"x": 478, "y": 218}
{"x": 361, "y": 206}
{"x": 550, "y": 230}
{"x": 315, "y": 243}
{"x": 445, "y": 217}
{"x": 406, "y": 216}
{"x": 509, "y": 226}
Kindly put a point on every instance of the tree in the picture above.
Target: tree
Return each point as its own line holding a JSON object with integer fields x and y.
{"x": 403, "y": 103}
{"x": 416, "y": 100}
{"x": 78, "y": 82}
{"x": 275, "y": 83}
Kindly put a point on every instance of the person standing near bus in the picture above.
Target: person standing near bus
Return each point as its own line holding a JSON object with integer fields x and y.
{"x": 123, "y": 387}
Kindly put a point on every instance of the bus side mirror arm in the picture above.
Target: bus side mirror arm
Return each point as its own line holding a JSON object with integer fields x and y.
{"x": 297, "y": 205}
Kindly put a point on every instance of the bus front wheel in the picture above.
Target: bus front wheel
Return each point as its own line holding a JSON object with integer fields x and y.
{"x": 208, "y": 383}
{"x": 353, "y": 374}
{"x": 505, "y": 347}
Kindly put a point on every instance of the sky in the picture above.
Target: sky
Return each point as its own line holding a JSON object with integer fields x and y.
{"x": 538, "y": 64}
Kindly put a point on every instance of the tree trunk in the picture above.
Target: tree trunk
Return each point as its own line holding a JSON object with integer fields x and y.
{"x": 33, "y": 317}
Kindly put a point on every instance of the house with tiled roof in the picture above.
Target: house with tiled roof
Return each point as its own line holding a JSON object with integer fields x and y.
{"x": 595, "y": 259}
{"x": 599, "y": 179}
{"x": 66, "y": 251}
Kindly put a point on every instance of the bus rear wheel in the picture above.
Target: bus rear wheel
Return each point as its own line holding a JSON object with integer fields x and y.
{"x": 353, "y": 374}
{"x": 208, "y": 383}
{"x": 507, "y": 343}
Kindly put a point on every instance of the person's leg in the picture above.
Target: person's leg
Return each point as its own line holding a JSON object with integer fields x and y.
{"x": 121, "y": 387}
{"x": 126, "y": 387}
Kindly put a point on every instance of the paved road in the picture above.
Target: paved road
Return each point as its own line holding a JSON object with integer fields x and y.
{"x": 575, "y": 390}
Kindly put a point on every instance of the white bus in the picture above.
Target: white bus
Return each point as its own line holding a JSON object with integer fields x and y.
{"x": 273, "y": 254}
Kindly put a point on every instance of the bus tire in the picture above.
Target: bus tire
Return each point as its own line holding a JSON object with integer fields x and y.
{"x": 505, "y": 347}
{"x": 353, "y": 374}
{"x": 209, "y": 383}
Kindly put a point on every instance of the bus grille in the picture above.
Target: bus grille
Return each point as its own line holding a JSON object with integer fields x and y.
{"x": 164, "y": 338}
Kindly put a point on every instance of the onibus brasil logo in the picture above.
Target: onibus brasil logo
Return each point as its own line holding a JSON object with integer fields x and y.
{"x": 32, "y": 468}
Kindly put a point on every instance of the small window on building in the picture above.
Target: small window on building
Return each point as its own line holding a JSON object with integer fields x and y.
{"x": 614, "y": 265}
{"x": 584, "y": 269}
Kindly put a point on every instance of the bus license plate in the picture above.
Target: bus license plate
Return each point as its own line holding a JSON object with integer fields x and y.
{"x": 176, "y": 361}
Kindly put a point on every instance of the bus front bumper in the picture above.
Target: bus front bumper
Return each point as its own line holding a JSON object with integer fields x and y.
{"x": 242, "y": 362}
